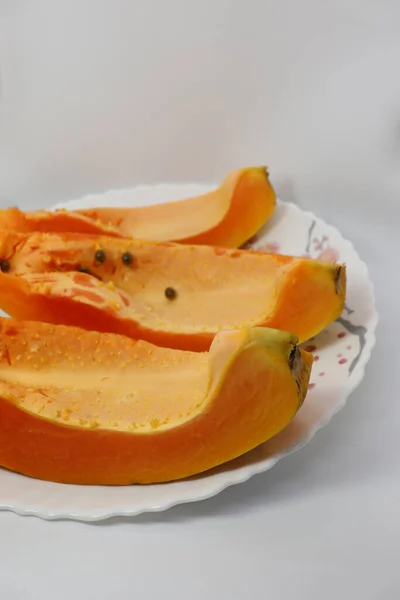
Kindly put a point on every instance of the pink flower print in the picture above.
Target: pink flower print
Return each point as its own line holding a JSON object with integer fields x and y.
{"x": 329, "y": 254}
{"x": 323, "y": 250}
{"x": 320, "y": 243}
{"x": 270, "y": 247}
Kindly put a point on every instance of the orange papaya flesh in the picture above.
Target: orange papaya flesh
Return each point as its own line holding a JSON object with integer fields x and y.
{"x": 228, "y": 216}
{"x": 84, "y": 407}
{"x": 61, "y": 221}
{"x": 214, "y": 288}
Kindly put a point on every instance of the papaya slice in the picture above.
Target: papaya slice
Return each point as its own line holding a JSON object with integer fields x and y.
{"x": 84, "y": 407}
{"x": 172, "y": 295}
{"x": 228, "y": 216}
{"x": 60, "y": 221}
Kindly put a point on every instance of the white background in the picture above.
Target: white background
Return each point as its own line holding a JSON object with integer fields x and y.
{"x": 97, "y": 94}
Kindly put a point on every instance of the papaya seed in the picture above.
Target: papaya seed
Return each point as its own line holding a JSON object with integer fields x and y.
{"x": 100, "y": 257}
{"x": 170, "y": 293}
{"x": 127, "y": 258}
{"x": 5, "y": 266}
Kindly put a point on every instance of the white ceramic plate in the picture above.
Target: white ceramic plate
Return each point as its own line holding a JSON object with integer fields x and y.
{"x": 341, "y": 354}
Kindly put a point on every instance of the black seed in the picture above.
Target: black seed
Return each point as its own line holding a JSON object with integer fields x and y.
{"x": 127, "y": 258}
{"x": 84, "y": 270}
{"x": 5, "y": 266}
{"x": 170, "y": 293}
{"x": 100, "y": 256}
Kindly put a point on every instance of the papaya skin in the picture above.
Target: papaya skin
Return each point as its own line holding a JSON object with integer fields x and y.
{"x": 228, "y": 216}
{"x": 82, "y": 407}
{"x": 215, "y": 288}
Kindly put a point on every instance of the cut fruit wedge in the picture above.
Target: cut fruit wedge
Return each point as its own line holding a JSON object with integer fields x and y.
{"x": 88, "y": 408}
{"x": 172, "y": 295}
{"x": 228, "y": 216}
{"x": 61, "y": 221}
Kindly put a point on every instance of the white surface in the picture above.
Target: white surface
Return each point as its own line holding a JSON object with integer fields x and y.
{"x": 341, "y": 353}
{"x": 311, "y": 88}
